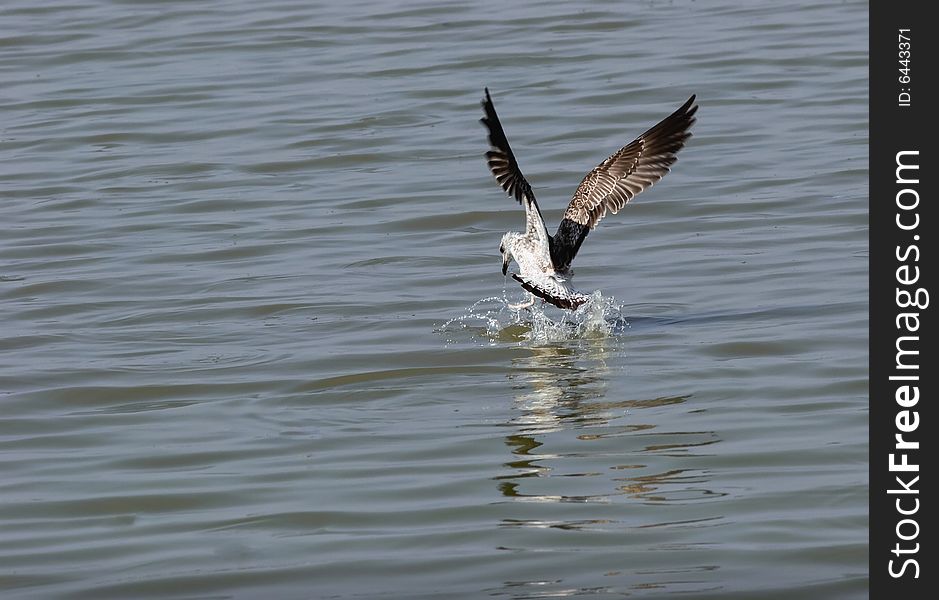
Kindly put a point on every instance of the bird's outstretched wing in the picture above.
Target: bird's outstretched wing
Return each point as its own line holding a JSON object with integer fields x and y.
{"x": 501, "y": 161}
{"x": 619, "y": 178}
{"x": 505, "y": 168}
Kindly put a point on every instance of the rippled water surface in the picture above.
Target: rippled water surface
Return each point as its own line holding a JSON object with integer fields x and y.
{"x": 255, "y": 341}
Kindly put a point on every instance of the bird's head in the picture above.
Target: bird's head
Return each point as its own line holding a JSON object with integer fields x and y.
{"x": 505, "y": 248}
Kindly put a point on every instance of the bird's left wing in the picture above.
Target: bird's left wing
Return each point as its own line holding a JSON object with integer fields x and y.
{"x": 501, "y": 161}
{"x": 505, "y": 168}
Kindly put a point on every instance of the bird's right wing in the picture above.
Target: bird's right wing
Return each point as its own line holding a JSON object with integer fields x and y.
{"x": 618, "y": 179}
{"x": 632, "y": 168}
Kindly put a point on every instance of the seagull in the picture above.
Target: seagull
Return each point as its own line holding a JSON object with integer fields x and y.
{"x": 544, "y": 261}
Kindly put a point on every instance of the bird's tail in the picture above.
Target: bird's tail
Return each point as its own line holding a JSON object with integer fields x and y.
{"x": 555, "y": 292}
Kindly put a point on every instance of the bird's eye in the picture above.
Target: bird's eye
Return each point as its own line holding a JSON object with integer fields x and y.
{"x": 502, "y": 249}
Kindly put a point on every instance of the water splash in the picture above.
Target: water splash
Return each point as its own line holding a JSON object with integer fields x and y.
{"x": 495, "y": 319}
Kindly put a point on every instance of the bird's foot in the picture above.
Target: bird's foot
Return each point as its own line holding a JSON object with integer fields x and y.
{"x": 531, "y": 301}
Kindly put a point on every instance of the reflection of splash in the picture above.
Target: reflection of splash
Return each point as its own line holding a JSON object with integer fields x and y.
{"x": 552, "y": 387}
{"x": 584, "y": 463}
{"x": 598, "y": 317}
{"x": 561, "y": 389}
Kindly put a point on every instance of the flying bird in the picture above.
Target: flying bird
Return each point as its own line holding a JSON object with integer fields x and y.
{"x": 544, "y": 261}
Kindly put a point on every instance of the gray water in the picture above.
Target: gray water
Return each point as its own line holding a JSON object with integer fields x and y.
{"x": 255, "y": 341}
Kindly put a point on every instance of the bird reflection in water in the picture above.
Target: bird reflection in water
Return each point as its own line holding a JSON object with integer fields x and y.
{"x": 561, "y": 397}
{"x": 587, "y": 464}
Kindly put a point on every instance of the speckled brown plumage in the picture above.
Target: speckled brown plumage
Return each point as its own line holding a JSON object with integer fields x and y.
{"x": 544, "y": 260}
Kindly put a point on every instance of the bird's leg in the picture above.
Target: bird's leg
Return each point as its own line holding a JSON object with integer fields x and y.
{"x": 531, "y": 300}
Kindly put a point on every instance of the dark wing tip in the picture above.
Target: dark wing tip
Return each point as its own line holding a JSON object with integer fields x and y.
{"x": 689, "y": 109}
{"x": 487, "y": 101}
{"x": 501, "y": 161}
{"x": 650, "y": 157}
{"x": 676, "y": 127}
